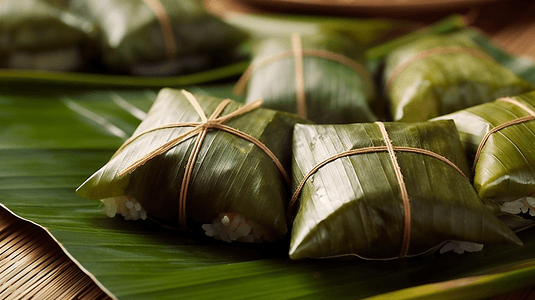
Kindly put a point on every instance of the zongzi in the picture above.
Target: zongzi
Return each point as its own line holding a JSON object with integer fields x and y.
{"x": 499, "y": 137}
{"x": 160, "y": 37}
{"x": 321, "y": 78}
{"x": 225, "y": 173}
{"x": 383, "y": 191}
{"x": 441, "y": 74}
{"x": 37, "y": 34}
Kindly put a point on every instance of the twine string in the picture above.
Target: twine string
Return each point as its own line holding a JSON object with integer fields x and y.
{"x": 239, "y": 88}
{"x": 300, "y": 96}
{"x": 200, "y": 130}
{"x": 404, "y": 194}
{"x": 474, "y": 52}
{"x": 374, "y": 149}
{"x": 165, "y": 24}
{"x": 503, "y": 125}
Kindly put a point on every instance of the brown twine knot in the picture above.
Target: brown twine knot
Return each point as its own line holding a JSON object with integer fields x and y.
{"x": 200, "y": 129}
{"x": 503, "y": 125}
{"x": 397, "y": 170}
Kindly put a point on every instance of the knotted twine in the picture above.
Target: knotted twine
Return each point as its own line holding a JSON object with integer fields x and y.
{"x": 504, "y": 125}
{"x": 165, "y": 24}
{"x": 200, "y": 129}
{"x": 298, "y": 52}
{"x": 474, "y": 52}
{"x": 397, "y": 170}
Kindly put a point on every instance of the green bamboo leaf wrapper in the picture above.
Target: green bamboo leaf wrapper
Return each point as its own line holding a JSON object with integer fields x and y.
{"x": 443, "y": 83}
{"x": 334, "y": 92}
{"x": 133, "y": 39}
{"x": 353, "y": 206}
{"x": 32, "y": 27}
{"x": 505, "y": 169}
{"x": 230, "y": 174}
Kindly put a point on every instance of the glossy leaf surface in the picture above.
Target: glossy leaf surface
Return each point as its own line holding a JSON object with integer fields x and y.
{"x": 53, "y": 140}
{"x": 353, "y": 205}
{"x": 504, "y": 169}
{"x": 421, "y": 86}
{"x": 333, "y": 90}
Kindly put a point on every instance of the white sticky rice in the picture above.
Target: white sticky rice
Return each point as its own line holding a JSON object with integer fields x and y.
{"x": 461, "y": 247}
{"x": 127, "y": 206}
{"x": 230, "y": 226}
{"x": 522, "y": 205}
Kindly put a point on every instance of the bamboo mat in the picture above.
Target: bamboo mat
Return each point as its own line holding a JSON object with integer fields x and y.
{"x": 518, "y": 35}
{"x": 45, "y": 271}
{"x": 34, "y": 266}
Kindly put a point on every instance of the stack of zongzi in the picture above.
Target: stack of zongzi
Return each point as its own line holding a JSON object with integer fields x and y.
{"x": 382, "y": 191}
{"x": 160, "y": 37}
{"x": 321, "y": 78}
{"x": 201, "y": 160}
{"x": 442, "y": 74}
{"x": 36, "y": 34}
{"x": 499, "y": 137}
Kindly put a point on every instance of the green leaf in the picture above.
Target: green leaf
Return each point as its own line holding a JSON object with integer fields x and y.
{"x": 429, "y": 77}
{"x": 231, "y": 173}
{"x": 335, "y": 89}
{"x": 504, "y": 170}
{"x": 48, "y": 147}
{"x": 365, "y": 32}
{"x": 40, "y": 77}
{"x": 163, "y": 37}
{"x": 353, "y": 205}
{"x": 446, "y": 25}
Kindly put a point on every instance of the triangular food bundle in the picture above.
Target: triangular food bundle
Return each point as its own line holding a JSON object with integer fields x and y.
{"x": 499, "y": 137}
{"x": 321, "y": 78}
{"x": 201, "y": 160}
{"x": 384, "y": 191}
{"x": 159, "y": 37}
{"x": 38, "y": 34}
{"x": 437, "y": 75}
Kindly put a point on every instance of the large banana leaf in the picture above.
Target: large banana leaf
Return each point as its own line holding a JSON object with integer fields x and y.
{"x": 106, "y": 80}
{"x": 51, "y": 140}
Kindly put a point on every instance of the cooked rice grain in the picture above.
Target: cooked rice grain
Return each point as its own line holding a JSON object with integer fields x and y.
{"x": 127, "y": 206}
{"x": 461, "y": 247}
{"x": 230, "y": 226}
{"x": 522, "y": 205}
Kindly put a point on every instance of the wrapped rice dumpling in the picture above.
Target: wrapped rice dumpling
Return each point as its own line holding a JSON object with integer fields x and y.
{"x": 37, "y": 34}
{"x": 499, "y": 137}
{"x": 383, "y": 191}
{"x": 321, "y": 78}
{"x": 442, "y": 74}
{"x": 201, "y": 160}
{"x": 160, "y": 37}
